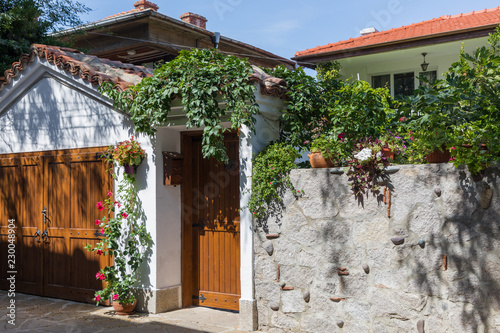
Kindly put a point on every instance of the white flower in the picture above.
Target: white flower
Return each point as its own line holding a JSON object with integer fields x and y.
{"x": 379, "y": 154}
{"x": 364, "y": 155}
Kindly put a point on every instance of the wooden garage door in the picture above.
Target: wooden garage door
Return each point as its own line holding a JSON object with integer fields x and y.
{"x": 211, "y": 232}
{"x": 52, "y": 196}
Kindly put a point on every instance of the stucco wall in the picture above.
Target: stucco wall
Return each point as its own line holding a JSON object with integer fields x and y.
{"x": 389, "y": 288}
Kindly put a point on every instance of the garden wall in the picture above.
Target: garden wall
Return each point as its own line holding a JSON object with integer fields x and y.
{"x": 330, "y": 263}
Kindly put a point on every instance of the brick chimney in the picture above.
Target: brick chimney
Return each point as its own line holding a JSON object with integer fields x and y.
{"x": 194, "y": 19}
{"x": 144, "y": 4}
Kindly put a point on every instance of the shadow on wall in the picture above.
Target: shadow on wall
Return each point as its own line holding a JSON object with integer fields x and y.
{"x": 467, "y": 273}
{"x": 51, "y": 115}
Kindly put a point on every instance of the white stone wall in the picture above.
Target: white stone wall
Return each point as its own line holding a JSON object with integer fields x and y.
{"x": 389, "y": 288}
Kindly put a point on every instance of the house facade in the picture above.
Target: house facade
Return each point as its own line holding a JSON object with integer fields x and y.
{"x": 144, "y": 36}
{"x": 395, "y": 58}
{"x": 55, "y": 127}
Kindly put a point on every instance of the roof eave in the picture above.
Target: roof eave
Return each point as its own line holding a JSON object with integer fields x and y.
{"x": 394, "y": 45}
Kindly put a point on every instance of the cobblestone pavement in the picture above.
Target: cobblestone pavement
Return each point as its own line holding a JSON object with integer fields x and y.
{"x": 41, "y": 314}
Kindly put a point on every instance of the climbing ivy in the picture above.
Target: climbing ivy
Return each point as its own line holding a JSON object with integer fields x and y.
{"x": 211, "y": 87}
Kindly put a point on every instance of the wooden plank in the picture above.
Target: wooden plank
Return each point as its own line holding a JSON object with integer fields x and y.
{"x": 219, "y": 300}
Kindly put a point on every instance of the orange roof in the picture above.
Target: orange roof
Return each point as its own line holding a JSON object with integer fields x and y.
{"x": 90, "y": 68}
{"x": 442, "y": 25}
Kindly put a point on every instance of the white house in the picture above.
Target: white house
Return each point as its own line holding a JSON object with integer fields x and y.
{"x": 395, "y": 58}
{"x": 54, "y": 127}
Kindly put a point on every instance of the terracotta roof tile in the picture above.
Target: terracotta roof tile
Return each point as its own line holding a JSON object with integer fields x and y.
{"x": 90, "y": 68}
{"x": 441, "y": 25}
{"x": 98, "y": 70}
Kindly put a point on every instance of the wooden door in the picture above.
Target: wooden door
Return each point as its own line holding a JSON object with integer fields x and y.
{"x": 63, "y": 186}
{"x": 211, "y": 227}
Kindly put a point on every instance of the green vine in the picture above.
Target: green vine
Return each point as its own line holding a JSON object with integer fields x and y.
{"x": 211, "y": 87}
{"x": 270, "y": 177}
{"x": 125, "y": 238}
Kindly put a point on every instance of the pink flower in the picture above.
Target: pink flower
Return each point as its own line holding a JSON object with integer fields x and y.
{"x": 103, "y": 230}
{"x": 341, "y": 136}
{"x": 99, "y": 205}
{"x": 402, "y": 119}
{"x": 117, "y": 203}
{"x": 99, "y": 252}
{"x": 97, "y": 222}
{"x": 115, "y": 297}
{"x": 98, "y": 275}
{"x": 124, "y": 215}
{"x": 97, "y": 298}
{"x": 102, "y": 277}
{"x": 452, "y": 148}
{"x": 110, "y": 193}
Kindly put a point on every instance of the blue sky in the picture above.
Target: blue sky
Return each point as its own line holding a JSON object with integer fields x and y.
{"x": 284, "y": 27}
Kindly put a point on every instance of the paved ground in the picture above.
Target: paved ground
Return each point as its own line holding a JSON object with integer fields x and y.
{"x": 40, "y": 314}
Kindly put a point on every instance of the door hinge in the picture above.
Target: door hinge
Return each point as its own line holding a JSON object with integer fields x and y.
{"x": 202, "y": 298}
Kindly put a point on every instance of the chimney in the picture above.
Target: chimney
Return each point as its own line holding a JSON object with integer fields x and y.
{"x": 368, "y": 31}
{"x": 194, "y": 19}
{"x": 144, "y": 4}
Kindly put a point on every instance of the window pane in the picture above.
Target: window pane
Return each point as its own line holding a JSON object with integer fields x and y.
{"x": 404, "y": 84}
{"x": 429, "y": 75}
{"x": 381, "y": 81}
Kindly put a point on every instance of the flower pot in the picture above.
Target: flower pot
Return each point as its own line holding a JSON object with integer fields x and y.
{"x": 129, "y": 169}
{"x": 387, "y": 153}
{"x": 439, "y": 156}
{"x": 124, "y": 309}
{"x": 318, "y": 161}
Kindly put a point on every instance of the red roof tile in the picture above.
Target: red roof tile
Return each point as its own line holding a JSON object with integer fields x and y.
{"x": 90, "y": 68}
{"x": 98, "y": 70}
{"x": 442, "y": 25}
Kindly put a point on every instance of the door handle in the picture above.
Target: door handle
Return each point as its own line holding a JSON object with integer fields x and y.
{"x": 45, "y": 236}
{"x": 37, "y": 236}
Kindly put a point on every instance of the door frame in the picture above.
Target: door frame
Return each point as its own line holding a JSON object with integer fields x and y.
{"x": 187, "y": 269}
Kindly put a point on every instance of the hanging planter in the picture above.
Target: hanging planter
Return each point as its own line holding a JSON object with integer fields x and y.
{"x": 318, "y": 161}
{"x": 439, "y": 156}
{"x": 129, "y": 169}
{"x": 128, "y": 154}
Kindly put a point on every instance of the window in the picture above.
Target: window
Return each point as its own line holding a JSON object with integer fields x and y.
{"x": 404, "y": 84}
{"x": 431, "y": 76}
{"x": 381, "y": 81}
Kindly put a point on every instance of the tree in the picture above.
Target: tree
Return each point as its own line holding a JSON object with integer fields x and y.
{"x": 23, "y": 22}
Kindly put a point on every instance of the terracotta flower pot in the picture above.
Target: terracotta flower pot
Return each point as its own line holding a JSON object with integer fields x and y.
{"x": 318, "y": 161}
{"x": 129, "y": 169}
{"x": 387, "y": 153}
{"x": 124, "y": 309}
{"x": 439, "y": 156}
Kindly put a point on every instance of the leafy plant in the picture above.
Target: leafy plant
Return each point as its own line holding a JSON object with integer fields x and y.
{"x": 333, "y": 147}
{"x": 128, "y": 152}
{"x": 211, "y": 87}
{"x": 366, "y": 167}
{"x": 270, "y": 177}
{"x": 462, "y": 110}
{"x": 125, "y": 238}
{"x": 23, "y": 22}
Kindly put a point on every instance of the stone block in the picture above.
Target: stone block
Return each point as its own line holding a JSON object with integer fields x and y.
{"x": 292, "y": 301}
{"x": 284, "y": 321}
{"x": 318, "y": 322}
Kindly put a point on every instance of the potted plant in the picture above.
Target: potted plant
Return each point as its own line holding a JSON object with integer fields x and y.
{"x": 366, "y": 166}
{"x": 128, "y": 154}
{"x": 329, "y": 151}
{"x": 126, "y": 239}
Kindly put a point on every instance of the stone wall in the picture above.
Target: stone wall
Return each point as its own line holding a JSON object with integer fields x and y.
{"x": 330, "y": 263}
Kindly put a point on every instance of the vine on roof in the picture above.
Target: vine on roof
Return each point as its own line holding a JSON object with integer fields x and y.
{"x": 211, "y": 87}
